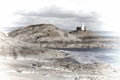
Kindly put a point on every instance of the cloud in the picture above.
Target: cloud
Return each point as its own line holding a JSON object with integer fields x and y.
{"x": 62, "y": 18}
{"x": 51, "y": 12}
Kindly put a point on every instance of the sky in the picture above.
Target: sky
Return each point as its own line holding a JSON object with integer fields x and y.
{"x": 66, "y": 14}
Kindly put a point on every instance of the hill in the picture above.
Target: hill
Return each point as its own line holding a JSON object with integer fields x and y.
{"x": 42, "y": 34}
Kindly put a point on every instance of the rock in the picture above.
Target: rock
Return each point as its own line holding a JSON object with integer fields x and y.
{"x": 85, "y": 34}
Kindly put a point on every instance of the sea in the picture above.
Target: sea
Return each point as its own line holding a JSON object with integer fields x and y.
{"x": 90, "y": 55}
{"x": 103, "y": 55}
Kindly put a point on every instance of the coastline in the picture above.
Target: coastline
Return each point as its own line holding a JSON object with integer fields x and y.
{"x": 34, "y": 61}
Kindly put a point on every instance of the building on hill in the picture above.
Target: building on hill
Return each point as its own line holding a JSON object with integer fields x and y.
{"x": 78, "y": 28}
{"x": 82, "y": 28}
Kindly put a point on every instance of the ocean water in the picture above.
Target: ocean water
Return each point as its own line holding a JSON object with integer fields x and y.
{"x": 90, "y": 55}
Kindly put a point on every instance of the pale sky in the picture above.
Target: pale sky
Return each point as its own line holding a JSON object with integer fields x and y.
{"x": 104, "y": 13}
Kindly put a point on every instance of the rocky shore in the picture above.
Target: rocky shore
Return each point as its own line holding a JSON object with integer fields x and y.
{"x": 27, "y": 61}
{"x": 24, "y": 55}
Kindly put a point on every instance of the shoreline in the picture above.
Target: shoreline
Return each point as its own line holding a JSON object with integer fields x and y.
{"x": 32, "y": 61}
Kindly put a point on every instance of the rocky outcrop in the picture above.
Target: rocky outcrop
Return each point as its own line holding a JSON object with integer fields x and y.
{"x": 13, "y": 48}
{"x": 91, "y": 39}
{"x": 84, "y": 34}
